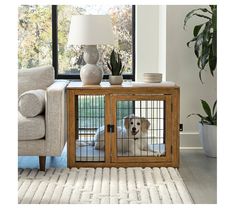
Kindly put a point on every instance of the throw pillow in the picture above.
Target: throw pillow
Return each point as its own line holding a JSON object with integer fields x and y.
{"x": 32, "y": 103}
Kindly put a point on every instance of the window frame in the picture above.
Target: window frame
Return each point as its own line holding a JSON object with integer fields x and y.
{"x": 55, "y": 62}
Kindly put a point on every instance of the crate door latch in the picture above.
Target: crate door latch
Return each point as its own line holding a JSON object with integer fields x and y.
{"x": 110, "y": 128}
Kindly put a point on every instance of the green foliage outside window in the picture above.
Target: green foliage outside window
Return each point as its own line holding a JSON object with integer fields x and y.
{"x": 34, "y": 36}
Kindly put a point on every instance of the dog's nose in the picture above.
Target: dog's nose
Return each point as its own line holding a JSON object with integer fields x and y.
{"x": 134, "y": 129}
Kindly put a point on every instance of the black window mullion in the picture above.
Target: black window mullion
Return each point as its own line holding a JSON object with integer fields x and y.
{"x": 133, "y": 43}
{"x": 54, "y": 40}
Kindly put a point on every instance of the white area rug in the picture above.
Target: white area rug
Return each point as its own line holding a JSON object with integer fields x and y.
{"x": 102, "y": 185}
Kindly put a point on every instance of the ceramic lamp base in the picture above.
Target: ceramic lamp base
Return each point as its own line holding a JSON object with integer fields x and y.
{"x": 91, "y": 74}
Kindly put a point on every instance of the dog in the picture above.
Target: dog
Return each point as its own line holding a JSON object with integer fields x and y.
{"x": 131, "y": 137}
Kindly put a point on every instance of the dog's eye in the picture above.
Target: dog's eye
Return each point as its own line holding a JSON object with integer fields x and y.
{"x": 131, "y": 123}
{"x": 138, "y": 123}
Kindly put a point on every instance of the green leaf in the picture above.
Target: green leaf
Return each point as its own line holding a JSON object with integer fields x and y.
{"x": 199, "y": 63}
{"x": 200, "y": 76}
{"x": 119, "y": 66}
{"x": 194, "y": 39}
{"x": 204, "y": 10}
{"x": 109, "y": 66}
{"x": 214, "y": 106}
{"x": 215, "y": 119}
{"x": 206, "y": 108}
{"x": 212, "y": 62}
{"x": 112, "y": 60}
{"x": 214, "y": 44}
{"x": 206, "y": 120}
{"x": 201, "y": 45}
{"x": 197, "y": 44}
{"x": 197, "y": 29}
{"x": 212, "y": 7}
{"x": 192, "y": 13}
{"x": 203, "y": 119}
{"x": 199, "y": 115}
{"x": 214, "y": 26}
{"x": 122, "y": 70}
{"x": 188, "y": 16}
{"x": 203, "y": 16}
{"x": 213, "y": 54}
{"x": 204, "y": 60}
{"x": 206, "y": 33}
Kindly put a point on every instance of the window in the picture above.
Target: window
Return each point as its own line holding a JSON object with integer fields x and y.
{"x": 70, "y": 60}
{"x": 34, "y": 36}
{"x": 43, "y": 35}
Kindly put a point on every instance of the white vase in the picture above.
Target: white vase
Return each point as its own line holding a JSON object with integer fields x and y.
{"x": 115, "y": 79}
{"x": 208, "y": 137}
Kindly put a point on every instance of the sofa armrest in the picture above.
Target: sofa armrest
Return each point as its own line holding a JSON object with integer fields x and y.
{"x": 55, "y": 115}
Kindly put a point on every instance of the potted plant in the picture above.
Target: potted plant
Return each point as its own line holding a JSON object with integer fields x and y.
{"x": 208, "y": 128}
{"x": 116, "y": 67}
{"x": 204, "y": 38}
{"x": 205, "y": 49}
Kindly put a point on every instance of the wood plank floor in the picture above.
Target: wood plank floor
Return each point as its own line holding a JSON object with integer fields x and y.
{"x": 198, "y": 172}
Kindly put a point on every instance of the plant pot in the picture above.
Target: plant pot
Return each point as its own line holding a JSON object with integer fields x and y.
{"x": 115, "y": 79}
{"x": 208, "y": 137}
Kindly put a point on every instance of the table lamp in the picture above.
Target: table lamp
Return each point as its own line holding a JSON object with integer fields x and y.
{"x": 91, "y": 30}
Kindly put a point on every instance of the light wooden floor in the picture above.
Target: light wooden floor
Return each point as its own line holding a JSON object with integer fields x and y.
{"x": 198, "y": 172}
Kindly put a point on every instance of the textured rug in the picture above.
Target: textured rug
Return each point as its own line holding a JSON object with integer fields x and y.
{"x": 102, "y": 186}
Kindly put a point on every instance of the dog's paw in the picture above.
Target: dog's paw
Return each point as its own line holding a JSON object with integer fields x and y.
{"x": 159, "y": 154}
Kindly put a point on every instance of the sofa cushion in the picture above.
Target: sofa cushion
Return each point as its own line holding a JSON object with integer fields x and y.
{"x": 31, "y": 128}
{"x": 32, "y": 103}
{"x": 35, "y": 78}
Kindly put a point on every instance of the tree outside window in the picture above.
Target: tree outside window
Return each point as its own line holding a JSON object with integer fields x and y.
{"x": 34, "y": 36}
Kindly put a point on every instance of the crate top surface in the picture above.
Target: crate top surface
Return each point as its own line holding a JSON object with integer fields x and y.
{"x": 125, "y": 85}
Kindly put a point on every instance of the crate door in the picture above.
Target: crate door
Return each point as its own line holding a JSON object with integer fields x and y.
{"x": 90, "y": 128}
{"x": 142, "y": 128}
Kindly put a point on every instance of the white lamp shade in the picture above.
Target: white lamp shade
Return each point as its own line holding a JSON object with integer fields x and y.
{"x": 90, "y": 30}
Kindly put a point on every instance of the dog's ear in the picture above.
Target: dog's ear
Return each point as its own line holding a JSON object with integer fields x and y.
{"x": 131, "y": 116}
{"x": 126, "y": 122}
{"x": 144, "y": 124}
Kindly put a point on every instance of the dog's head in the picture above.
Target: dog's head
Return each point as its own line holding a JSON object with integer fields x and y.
{"x": 136, "y": 126}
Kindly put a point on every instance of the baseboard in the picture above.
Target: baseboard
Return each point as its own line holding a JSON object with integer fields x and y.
{"x": 190, "y": 140}
{"x": 183, "y": 148}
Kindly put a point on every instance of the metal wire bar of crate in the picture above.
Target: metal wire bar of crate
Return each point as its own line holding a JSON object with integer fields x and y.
{"x": 91, "y": 116}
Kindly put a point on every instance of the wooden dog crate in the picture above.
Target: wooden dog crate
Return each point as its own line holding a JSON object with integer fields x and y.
{"x": 110, "y": 125}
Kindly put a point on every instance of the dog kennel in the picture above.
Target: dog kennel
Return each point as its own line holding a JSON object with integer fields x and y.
{"x": 129, "y": 125}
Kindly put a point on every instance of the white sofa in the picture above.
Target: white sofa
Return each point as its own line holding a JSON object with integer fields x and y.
{"x": 45, "y": 134}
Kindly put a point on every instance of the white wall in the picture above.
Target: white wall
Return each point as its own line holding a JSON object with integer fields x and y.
{"x": 161, "y": 47}
{"x": 181, "y": 67}
{"x": 150, "y": 43}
